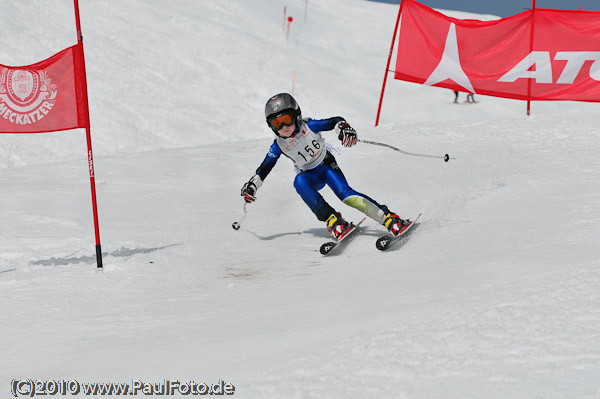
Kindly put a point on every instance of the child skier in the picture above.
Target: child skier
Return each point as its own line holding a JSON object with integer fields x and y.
{"x": 301, "y": 141}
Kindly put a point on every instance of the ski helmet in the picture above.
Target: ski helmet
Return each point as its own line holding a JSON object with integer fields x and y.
{"x": 279, "y": 105}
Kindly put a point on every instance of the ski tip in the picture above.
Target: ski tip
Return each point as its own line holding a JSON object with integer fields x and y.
{"x": 327, "y": 247}
{"x": 382, "y": 243}
{"x": 417, "y": 218}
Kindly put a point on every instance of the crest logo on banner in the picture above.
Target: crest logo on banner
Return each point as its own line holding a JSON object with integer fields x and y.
{"x": 26, "y": 96}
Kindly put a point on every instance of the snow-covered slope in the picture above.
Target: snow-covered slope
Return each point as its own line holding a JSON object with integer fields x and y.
{"x": 496, "y": 295}
{"x": 171, "y": 75}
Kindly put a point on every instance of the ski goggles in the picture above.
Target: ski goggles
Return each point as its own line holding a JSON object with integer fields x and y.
{"x": 282, "y": 120}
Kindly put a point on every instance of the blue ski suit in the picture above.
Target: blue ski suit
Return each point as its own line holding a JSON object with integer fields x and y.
{"x": 317, "y": 167}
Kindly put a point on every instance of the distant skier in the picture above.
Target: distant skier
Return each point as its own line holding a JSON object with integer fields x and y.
{"x": 470, "y": 98}
{"x": 455, "y": 96}
{"x": 301, "y": 141}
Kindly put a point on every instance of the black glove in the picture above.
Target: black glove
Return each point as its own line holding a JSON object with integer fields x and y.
{"x": 347, "y": 134}
{"x": 250, "y": 188}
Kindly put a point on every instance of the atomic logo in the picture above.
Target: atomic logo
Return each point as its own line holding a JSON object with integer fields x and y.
{"x": 537, "y": 65}
{"x": 26, "y": 96}
{"x": 449, "y": 66}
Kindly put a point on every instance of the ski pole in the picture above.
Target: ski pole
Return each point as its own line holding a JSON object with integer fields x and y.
{"x": 445, "y": 157}
{"x": 236, "y": 225}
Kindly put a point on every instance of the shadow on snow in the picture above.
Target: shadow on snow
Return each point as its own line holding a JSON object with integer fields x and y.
{"x": 119, "y": 253}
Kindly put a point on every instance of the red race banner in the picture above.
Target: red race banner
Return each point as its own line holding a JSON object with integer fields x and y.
{"x": 44, "y": 97}
{"x": 539, "y": 54}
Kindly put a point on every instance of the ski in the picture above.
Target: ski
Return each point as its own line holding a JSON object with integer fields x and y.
{"x": 328, "y": 247}
{"x": 385, "y": 242}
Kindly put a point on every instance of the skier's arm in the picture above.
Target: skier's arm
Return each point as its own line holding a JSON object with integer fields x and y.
{"x": 270, "y": 160}
{"x": 320, "y": 125}
{"x": 346, "y": 133}
{"x": 251, "y": 186}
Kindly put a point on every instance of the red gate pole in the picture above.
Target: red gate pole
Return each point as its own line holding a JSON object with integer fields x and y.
{"x": 387, "y": 67}
{"x": 530, "y": 50}
{"x": 305, "y": 11}
{"x": 89, "y": 141}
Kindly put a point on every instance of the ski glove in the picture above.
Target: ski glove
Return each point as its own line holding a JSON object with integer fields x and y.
{"x": 346, "y": 134}
{"x": 250, "y": 188}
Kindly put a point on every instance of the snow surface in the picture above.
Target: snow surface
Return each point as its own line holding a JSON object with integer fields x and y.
{"x": 496, "y": 295}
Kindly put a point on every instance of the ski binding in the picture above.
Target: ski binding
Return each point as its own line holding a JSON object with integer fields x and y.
{"x": 331, "y": 245}
{"x": 385, "y": 242}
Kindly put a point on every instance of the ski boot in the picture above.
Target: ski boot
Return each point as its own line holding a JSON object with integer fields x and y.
{"x": 336, "y": 225}
{"x": 394, "y": 224}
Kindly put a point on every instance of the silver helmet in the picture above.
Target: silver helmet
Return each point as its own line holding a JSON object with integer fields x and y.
{"x": 279, "y": 105}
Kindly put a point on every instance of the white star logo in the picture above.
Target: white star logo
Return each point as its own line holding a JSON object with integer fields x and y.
{"x": 449, "y": 66}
